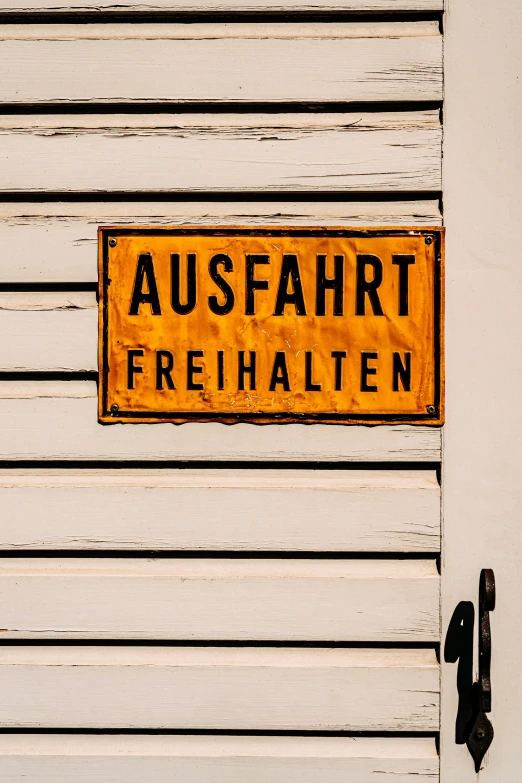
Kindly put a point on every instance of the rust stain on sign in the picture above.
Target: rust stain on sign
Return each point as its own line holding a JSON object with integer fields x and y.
{"x": 330, "y": 325}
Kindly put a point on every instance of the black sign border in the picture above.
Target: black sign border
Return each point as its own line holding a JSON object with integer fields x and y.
{"x": 282, "y": 417}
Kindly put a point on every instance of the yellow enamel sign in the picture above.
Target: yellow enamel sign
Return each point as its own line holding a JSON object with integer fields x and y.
{"x": 270, "y": 325}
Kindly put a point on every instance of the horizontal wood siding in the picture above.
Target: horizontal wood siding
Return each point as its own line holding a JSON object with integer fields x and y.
{"x": 243, "y": 510}
{"x": 45, "y": 420}
{"x": 250, "y": 598}
{"x": 220, "y": 759}
{"x": 191, "y": 599}
{"x": 66, "y": 233}
{"x": 90, "y": 63}
{"x": 178, "y": 153}
{"x": 261, "y": 688}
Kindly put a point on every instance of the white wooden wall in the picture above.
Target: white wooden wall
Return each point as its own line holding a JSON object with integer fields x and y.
{"x": 245, "y": 599}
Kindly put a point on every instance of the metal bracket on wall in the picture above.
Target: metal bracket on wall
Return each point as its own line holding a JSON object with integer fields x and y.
{"x": 481, "y": 734}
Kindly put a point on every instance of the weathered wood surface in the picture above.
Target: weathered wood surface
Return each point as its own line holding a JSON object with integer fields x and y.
{"x": 207, "y": 599}
{"x": 223, "y": 152}
{"x": 213, "y": 6}
{"x": 123, "y": 63}
{"x": 248, "y": 510}
{"x": 262, "y": 688}
{"x": 56, "y": 242}
{"x": 48, "y": 331}
{"x": 287, "y": 30}
{"x": 220, "y": 598}
{"x": 50, "y": 420}
{"x": 40, "y": 758}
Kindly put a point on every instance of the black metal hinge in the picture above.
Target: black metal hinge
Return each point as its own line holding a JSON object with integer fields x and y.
{"x": 481, "y": 734}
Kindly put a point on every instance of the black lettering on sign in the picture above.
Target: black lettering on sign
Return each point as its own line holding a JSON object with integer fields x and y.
{"x": 403, "y": 262}
{"x": 366, "y": 371}
{"x": 221, "y": 370}
{"x": 226, "y": 262}
{"x": 243, "y": 369}
{"x": 163, "y": 371}
{"x": 175, "y": 296}
{"x": 251, "y": 284}
{"x": 193, "y": 369}
{"x": 279, "y": 372}
{"x": 338, "y": 356}
{"x": 145, "y": 269}
{"x": 133, "y": 369}
{"x": 364, "y": 287}
{"x": 335, "y": 284}
{"x": 290, "y": 271}
{"x": 309, "y": 384}
{"x": 402, "y": 371}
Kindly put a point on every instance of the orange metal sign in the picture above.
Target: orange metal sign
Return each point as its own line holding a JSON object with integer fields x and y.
{"x": 270, "y": 325}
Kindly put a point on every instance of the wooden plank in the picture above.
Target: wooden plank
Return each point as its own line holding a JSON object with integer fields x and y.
{"x": 66, "y": 233}
{"x": 124, "y": 63}
{"x": 58, "y": 421}
{"x": 39, "y": 758}
{"x": 213, "y": 6}
{"x": 224, "y": 152}
{"x": 197, "y": 31}
{"x": 48, "y": 331}
{"x": 263, "y": 688}
{"x": 249, "y": 510}
{"x": 214, "y": 599}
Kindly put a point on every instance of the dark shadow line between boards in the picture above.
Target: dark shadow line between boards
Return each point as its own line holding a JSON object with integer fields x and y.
{"x": 66, "y": 376}
{"x": 242, "y": 464}
{"x": 224, "y": 732}
{"x": 221, "y": 643}
{"x": 250, "y": 196}
{"x": 177, "y": 107}
{"x": 216, "y": 554}
{"x": 97, "y": 16}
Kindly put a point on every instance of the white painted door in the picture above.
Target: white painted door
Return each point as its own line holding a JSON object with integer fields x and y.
{"x": 211, "y": 604}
